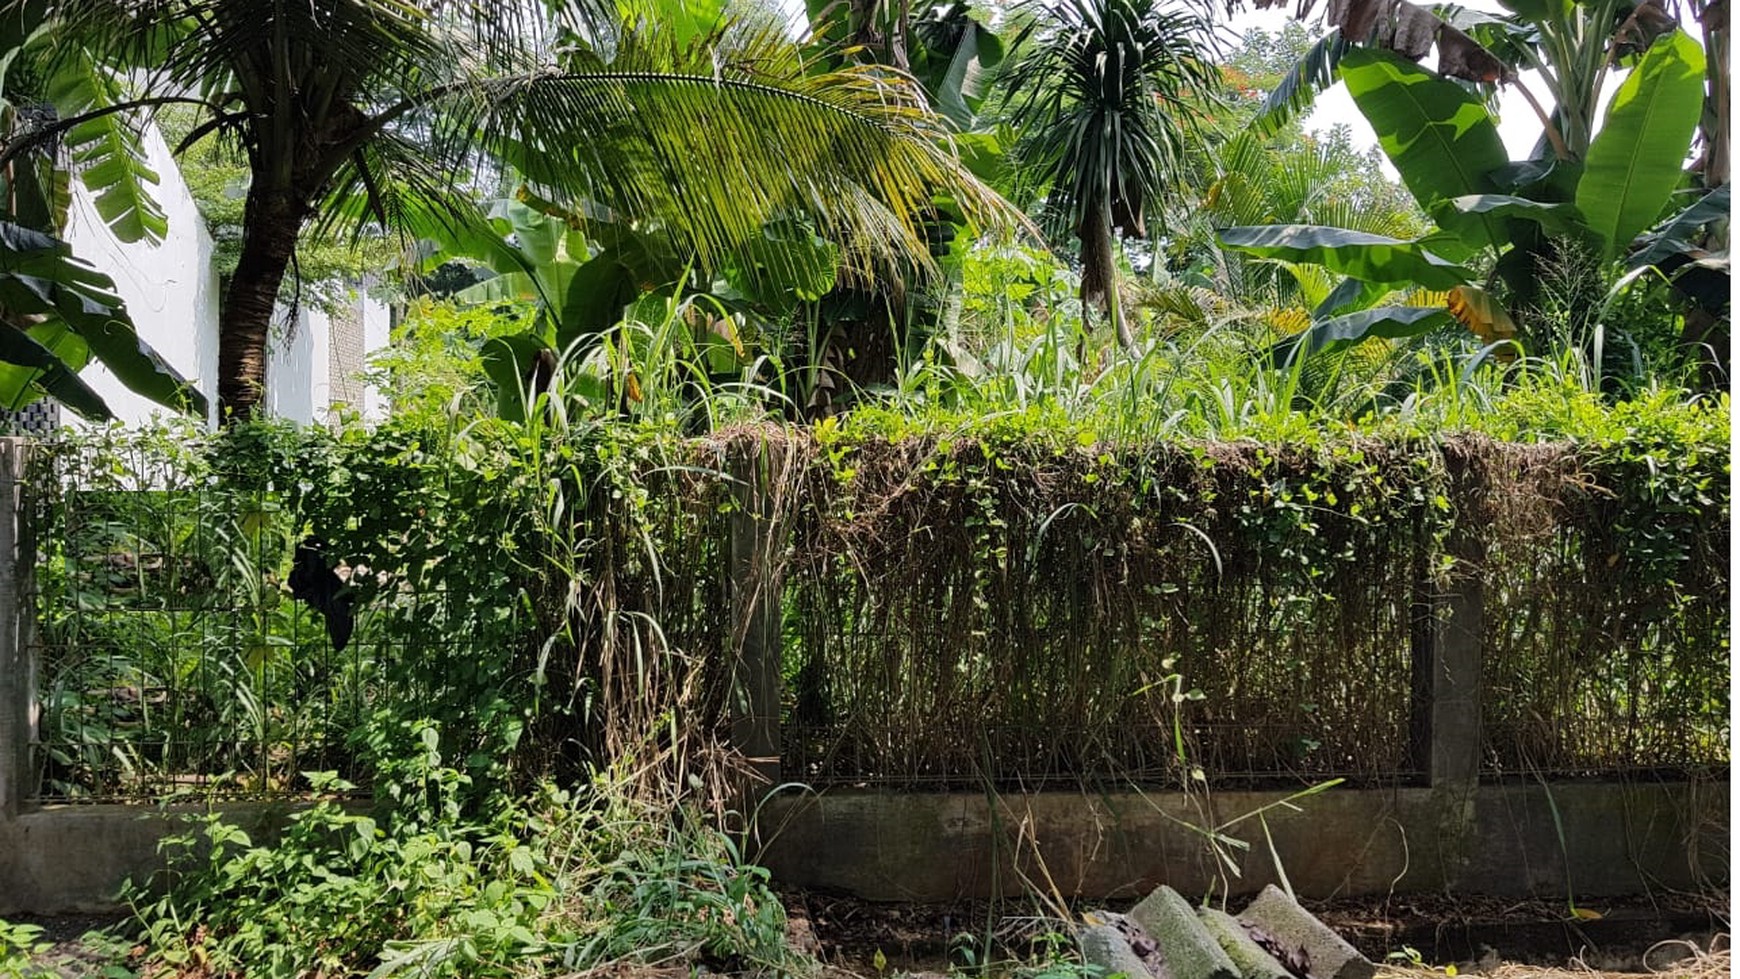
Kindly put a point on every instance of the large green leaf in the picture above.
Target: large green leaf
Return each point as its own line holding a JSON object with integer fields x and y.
{"x": 1368, "y": 257}
{"x": 1636, "y": 159}
{"x": 536, "y": 234}
{"x": 50, "y": 373}
{"x": 510, "y": 362}
{"x": 39, "y": 279}
{"x": 595, "y": 297}
{"x": 19, "y": 384}
{"x": 1463, "y": 215}
{"x": 1438, "y": 134}
{"x": 1674, "y": 236}
{"x": 1341, "y": 332}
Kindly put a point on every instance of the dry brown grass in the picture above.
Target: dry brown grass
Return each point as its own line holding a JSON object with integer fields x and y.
{"x": 1676, "y": 959}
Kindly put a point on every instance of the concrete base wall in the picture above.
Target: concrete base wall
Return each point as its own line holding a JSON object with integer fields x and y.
{"x": 1495, "y": 839}
{"x": 67, "y": 859}
{"x": 1618, "y": 839}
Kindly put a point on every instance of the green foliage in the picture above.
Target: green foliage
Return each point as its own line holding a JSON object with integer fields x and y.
{"x": 56, "y": 315}
{"x": 19, "y": 943}
{"x": 106, "y": 151}
{"x": 433, "y": 364}
{"x": 435, "y": 880}
{"x": 1366, "y": 257}
{"x": 1439, "y": 135}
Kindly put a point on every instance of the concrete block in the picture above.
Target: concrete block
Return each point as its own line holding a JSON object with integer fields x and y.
{"x": 1327, "y": 955}
{"x": 1247, "y": 956}
{"x": 1108, "y": 948}
{"x": 1190, "y": 951}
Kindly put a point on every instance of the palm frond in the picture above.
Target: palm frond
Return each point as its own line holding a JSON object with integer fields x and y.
{"x": 716, "y": 158}
{"x": 105, "y": 149}
{"x": 1313, "y": 73}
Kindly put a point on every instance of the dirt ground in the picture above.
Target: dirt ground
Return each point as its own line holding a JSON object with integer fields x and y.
{"x": 1672, "y": 935}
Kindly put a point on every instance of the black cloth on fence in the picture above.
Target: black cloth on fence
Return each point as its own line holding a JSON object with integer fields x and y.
{"x": 324, "y": 591}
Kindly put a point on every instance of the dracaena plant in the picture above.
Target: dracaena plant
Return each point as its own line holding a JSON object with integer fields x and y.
{"x": 1107, "y": 95}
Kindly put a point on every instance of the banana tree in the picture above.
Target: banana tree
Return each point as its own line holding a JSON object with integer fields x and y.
{"x": 584, "y": 273}
{"x": 1442, "y": 139}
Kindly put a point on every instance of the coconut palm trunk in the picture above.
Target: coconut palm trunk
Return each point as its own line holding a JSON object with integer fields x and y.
{"x": 273, "y": 220}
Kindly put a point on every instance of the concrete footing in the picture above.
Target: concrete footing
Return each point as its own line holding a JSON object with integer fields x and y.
{"x": 74, "y": 859}
{"x": 1617, "y": 838}
{"x": 1495, "y": 839}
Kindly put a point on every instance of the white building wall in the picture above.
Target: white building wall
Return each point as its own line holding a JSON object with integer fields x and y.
{"x": 296, "y": 369}
{"x": 170, "y": 288}
{"x": 377, "y": 328}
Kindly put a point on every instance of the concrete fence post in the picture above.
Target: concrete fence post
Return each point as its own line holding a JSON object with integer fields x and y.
{"x": 18, "y": 706}
{"x": 757, "y": 585}
{"x": 1459, "y": 624}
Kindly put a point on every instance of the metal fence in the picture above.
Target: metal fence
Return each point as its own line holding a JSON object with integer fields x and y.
{"x": 181, "y": 647}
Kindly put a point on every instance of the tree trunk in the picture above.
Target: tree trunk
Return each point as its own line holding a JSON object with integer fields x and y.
{"x": 1099, "y": 269}
{"x": 270, "y": 226}
{"x": 1716, "y": 121}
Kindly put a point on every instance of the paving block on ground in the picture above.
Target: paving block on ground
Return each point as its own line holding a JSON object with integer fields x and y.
{"x": 1108, "y": 948}
{"x": 1190, "y": 951}
{"x": 1247, "y": 956}
{"x": 1327, "y": 955}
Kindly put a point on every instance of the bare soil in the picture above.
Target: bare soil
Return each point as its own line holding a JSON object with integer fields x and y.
{"x": 1667, "y": 934}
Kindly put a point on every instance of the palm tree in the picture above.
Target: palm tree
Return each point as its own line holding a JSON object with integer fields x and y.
{"x": 379, "y": 112}
{"x": 1106, "y": 93}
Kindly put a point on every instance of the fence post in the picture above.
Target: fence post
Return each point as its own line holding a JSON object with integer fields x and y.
{"x": 18, "y": 708}
{"x": 757, "y": 580}
{"x": 1459, "y": 624}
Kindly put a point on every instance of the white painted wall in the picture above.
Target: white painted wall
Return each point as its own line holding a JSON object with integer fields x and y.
{"x": 377, "y": 325}
{"x": 296, "y": 368}
{"x": 170, "y": 288}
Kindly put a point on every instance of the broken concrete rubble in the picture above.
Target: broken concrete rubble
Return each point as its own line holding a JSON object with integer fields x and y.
{"x": 1328, "y": 955}
{"x": 1190, "y": 951}
{"x": 1163, "y": 937}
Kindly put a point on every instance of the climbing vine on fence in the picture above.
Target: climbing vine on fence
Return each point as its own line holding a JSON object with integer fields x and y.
{"x": 993, "y": 604}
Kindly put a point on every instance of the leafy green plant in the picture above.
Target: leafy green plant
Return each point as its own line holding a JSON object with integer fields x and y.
{"x": 19, "y": 944}
{"x": 1441, "y": 137}
{"x": 438, "y": 880}
{"x": 1104, "y": 94}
